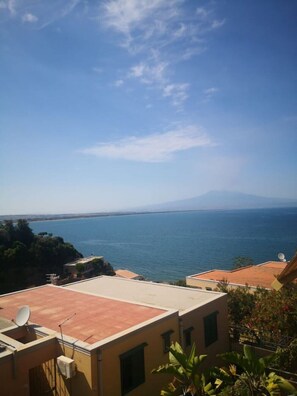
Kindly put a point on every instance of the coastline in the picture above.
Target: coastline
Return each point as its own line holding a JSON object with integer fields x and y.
{"x": 71, "y": 216}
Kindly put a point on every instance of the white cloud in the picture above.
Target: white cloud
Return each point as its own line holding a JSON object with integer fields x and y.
{"x": 118, "y": 83}
{"x": 41, "y": 12}
{"x": 152, "y": 28}
{"x": 217, "y": 24}
{"x": 178, "y": 93}
{"x": 158, "y": 147}
{"x": 155, "y": 74}
{"x": 126, "y": 15}
{"x": 9, "y": 5}
{"x": 30, "y": 18}
{"x": 149, "y": 73}
{"x": 202, "y": 12}
{"x": 209, "y": 93}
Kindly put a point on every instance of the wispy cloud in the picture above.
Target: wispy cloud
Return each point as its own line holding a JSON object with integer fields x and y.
{"x": 9, "y": 5}
{"x": 149, "y": 73}
{"x": 43, "y": 13}
{"x": 30, "y": 18}
{"x": 118, "y": 83}
{"x": 127, "y": 15}
{"x": 162, "y": 32}
{"x": 217, "y": 24}
{"x": 158, "y": 147}
{"x": 209, "y": 93}
{"x": 177, "y": 92}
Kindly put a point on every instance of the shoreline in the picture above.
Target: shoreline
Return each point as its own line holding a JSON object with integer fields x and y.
{"x": 73, "y": 216}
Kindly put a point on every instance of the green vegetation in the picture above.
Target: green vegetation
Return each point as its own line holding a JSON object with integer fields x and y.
{"x": 26, "y": 258}
{"x": 286, "y": 358}
{"x": 270, "y": 314}
{"x": 241, "y": 261}
{"x": 99, "y": 267}
{"x": 244, "y": 375}
{"x": 188, "y": 379}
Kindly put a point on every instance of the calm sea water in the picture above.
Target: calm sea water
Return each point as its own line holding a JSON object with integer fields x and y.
{"x": 169, "y": 246}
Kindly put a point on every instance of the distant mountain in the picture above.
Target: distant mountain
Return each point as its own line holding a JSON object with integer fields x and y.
{"x": 223, "y": 200}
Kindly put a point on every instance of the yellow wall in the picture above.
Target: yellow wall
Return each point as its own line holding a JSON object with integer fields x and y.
{"x": 15, "y": 369}
{"x": 85, "y": 381}
{"x": 194, "y": 319}
{"x": 153, "y": 355}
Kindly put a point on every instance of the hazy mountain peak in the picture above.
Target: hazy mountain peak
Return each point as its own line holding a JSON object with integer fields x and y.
{"x": 223, "y": 199}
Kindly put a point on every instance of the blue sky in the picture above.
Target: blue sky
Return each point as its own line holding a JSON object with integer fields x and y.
{"x": 110, "y": 105}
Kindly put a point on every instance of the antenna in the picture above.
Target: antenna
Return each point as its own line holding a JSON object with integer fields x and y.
{"x": 60, "y": 325}
{"x": 281, "y": 257}
{"x": 23, "y": 315}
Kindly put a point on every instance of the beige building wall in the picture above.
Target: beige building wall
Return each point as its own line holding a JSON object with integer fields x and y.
{"x": 212, "y": 284}
{"x": 201, "y": 283}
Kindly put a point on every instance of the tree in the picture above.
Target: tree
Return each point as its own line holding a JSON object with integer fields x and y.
{"x": 26, "y": 258}
{"x": 242, "y": 261}
{"x": 102, "y": 267}
{"x": 23, "y": 232}
{"x": 241, "y": 303}
{"x": 274, "y": 313}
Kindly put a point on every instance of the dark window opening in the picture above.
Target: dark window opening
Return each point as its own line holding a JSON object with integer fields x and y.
{"x": 132, "y": 368}
{"x": 188, "y": 336}
{"x": 167, "y": 340}
{"x": 210, "y": 328}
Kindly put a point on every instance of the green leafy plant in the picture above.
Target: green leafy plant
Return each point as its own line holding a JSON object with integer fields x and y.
{"x": 250, "y": 376}
{"x": 187, "y": 376}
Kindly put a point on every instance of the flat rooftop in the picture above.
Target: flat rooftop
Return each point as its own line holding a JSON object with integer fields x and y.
{"x": 256, "y": 275}
{"x": 153, "y": 294}
{"x": 93, "y": 318}
{"x": 83, "y": 260}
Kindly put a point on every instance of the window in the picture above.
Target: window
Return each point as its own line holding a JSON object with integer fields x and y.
{"x": 167, "y": 340}
{"x": 188, "y": 336}
{"x": 210, "y": 328}
{"x": 132, "y": 368}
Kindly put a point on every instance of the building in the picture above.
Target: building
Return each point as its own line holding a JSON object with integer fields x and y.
{"x": 103, "y": 336}
{"x": 126, "y": 274}
{"x": 84, "y": 266}
{"x": 254, "y": 276}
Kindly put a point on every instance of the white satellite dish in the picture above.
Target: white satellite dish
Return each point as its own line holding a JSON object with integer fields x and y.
{"x": 281, "y": 257}
{"x": 23, "y": 315}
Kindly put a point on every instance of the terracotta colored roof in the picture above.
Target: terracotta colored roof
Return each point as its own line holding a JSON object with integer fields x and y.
{"x": 126, "y": 274}
{"x": 95, "y": 317}
{"x": 256, "y": 275}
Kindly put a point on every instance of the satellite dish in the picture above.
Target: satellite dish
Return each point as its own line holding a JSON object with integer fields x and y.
{"x": 281, "y": 257}
{"x": 23, "y": 315}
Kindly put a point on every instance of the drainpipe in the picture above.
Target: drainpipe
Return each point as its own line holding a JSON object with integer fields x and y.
{"x": 181, "y": 332}
{"x": 100, "y": 373}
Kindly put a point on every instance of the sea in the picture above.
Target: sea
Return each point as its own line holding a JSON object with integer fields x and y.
{"x": 169, "y": 246}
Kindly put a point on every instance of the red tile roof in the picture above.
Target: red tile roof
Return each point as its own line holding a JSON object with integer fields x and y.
{"x": 257, "y": 275}
{"x": 95, "y": 317}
